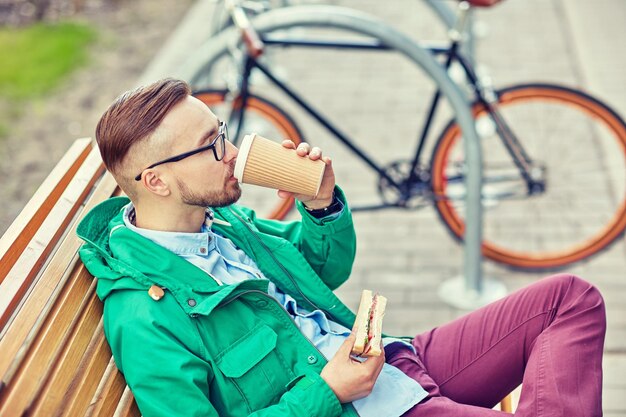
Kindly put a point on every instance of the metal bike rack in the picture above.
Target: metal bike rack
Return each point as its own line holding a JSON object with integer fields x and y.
{"x": 471, "y": 290}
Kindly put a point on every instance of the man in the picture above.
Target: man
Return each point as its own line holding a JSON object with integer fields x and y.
{"x": 213, "y": 311}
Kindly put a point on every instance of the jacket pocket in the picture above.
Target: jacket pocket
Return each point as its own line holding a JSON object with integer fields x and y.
{"x": 257, "y": 369}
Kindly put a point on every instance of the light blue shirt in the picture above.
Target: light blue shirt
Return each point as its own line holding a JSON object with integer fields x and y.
{"x": 394, "y": 392}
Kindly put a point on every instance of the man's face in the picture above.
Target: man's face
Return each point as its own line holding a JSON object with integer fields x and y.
{"x": 200, "y": 179}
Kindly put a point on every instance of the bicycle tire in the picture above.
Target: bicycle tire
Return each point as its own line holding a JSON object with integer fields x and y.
{"x": 283, "y": 128}
{"x": 600, "y": 132}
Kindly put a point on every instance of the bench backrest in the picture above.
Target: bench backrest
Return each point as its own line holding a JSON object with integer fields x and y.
{"x": 54, "y": 360}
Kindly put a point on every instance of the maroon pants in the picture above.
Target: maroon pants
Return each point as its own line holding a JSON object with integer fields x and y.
{"x": 548, "y": 336}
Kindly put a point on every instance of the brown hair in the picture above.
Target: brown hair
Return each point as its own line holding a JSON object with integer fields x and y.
{"x": 135, "y": 115}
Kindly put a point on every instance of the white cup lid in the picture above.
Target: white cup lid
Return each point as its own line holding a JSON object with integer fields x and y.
{"x": 242, "y": 156}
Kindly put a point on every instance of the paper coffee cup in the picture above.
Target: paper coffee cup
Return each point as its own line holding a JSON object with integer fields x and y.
{"x": 266, "y": 163}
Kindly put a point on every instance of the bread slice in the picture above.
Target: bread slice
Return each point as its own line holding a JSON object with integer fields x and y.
{"x": 368, "y": 324}
{"x": 361, "y": 323}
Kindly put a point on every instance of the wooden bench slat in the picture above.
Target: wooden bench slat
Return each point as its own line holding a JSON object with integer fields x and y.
{"x": 85, "y": 352}
{"x": 40, "y": 297}
{"x": 19, "y": 343}
{"x": 66, "y": 333}
{"x": 85, "y": 384}
{"x": 69, "y": 391}
{"x": 127, "y": 406}
{"x": 25, "y": 268}
{"x": 506, "y": 404}
{"x": 24, "y": 227}
{"x": 108, "y": 394}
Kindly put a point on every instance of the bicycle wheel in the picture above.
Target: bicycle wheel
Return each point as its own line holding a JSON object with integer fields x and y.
{"x": 580, "y": 142}
{"x": 266, "y": 119}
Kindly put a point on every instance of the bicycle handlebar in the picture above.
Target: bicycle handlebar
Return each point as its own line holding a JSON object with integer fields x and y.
{"x": 250, "y": 37}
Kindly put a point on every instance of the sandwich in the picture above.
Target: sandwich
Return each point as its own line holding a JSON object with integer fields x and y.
{"x": 368, "y": 325}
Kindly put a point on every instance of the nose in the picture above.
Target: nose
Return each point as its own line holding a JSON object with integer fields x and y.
{"x": 231, "y": 152}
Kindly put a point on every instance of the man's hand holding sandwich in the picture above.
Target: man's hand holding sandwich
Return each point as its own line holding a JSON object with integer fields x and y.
{"x": 351, "y": 378}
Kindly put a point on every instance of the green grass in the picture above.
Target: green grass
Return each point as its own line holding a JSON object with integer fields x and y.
{"x": 34, "y": 59}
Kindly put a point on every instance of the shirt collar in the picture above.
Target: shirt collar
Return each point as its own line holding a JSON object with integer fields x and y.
{"x": 180, "y": 243}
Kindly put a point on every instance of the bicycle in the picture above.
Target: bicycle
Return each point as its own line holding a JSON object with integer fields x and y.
{"x": 509, "y": 121}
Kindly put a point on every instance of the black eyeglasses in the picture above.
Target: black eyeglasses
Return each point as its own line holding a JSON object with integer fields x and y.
{"x": 218, "y": 145}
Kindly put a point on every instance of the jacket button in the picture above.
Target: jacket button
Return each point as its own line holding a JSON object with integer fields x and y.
{"x": 312, "y": 359}
{"x": 155, "y": 292}
{"x": 261, "y": 303}
{"x": 191, "y": 302}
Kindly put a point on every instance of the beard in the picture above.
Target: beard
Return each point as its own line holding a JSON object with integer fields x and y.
{"x": 229, "y": 194}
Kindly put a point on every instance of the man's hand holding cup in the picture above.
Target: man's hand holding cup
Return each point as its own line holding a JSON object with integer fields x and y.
{"x": 325, "y": 194}
{"x": 300, "y": 172}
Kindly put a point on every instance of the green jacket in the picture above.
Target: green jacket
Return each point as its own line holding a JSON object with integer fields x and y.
{"x": 209, "y": 350}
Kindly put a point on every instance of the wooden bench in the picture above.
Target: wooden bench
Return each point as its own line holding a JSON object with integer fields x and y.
{"x": 54, "y": 359}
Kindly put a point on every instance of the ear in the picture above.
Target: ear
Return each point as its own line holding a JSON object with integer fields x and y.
{"x": 154, "y": 182}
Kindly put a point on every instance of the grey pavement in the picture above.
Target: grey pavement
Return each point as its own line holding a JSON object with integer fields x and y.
{"x": 407, "y": 255}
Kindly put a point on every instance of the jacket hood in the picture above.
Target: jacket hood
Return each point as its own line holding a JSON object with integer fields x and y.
{"x": 95, "y": 230}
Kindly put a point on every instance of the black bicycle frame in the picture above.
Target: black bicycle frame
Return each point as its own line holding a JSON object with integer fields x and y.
{"x": 450, "y": 54}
